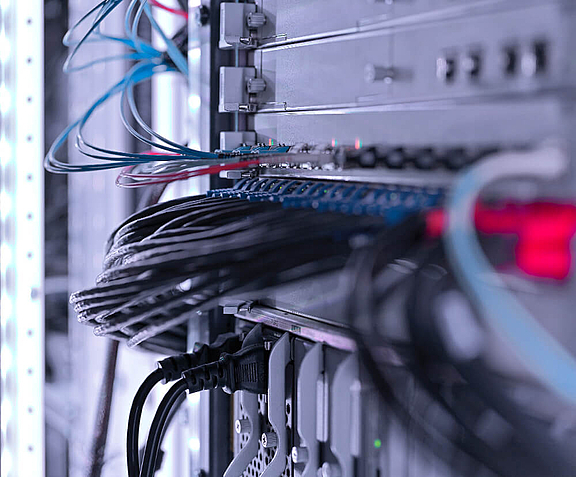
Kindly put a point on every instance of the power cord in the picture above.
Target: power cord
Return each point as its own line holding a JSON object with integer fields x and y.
{"x": 245, "y": 370}
{"x": 169, "y": 370}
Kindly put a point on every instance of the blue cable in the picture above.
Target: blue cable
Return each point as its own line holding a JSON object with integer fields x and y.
{"x": 149, "y": 64}
{"x": 52, "y": 164}
{"x": 143, "y": 49}
{"x": 173, "y": 52}
{"x": 540, "y": 353}
{"x": 106, "y": 59}
{"x": 132, "y": 31}
{"x": 106, "y": 7}
{"x": 137, "y": 74}
{"x": 149, "y": 130}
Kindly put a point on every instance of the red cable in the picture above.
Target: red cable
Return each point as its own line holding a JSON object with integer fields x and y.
{"x": 171, "y": 177}
{"x": 544, "y": 233}
{"x": 175, "y": 11}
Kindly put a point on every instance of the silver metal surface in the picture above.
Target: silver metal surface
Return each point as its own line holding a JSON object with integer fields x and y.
{"x": 269, "y": 440}
{"x": 344, "y": 414}
{"x": 330, "y": 72}
{"x": 420, "y": 74}
{"x": 297, "y": 20}
{"x": 412, "y": 177}
{"x": 311, "y": 368}
{"x": 249, "y": 424}
{"x": 307, "y": 328}
{"x": 22, "y": 330}
{"x": 279, "y": 358}
{"x": 234, "y": 26}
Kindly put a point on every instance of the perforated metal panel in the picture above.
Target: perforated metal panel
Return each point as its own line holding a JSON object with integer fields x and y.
{"x": 264, "y": 456}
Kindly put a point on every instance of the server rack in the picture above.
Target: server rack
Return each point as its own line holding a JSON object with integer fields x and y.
{"x": 439, "y": 78}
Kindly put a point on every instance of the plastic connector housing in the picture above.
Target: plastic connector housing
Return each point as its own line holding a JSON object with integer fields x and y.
{"x": 174, "y": 366}
{"x": 245, "y": 370}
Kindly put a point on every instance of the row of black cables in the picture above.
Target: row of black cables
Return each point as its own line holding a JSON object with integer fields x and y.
{"x": 173, "y": 259}
{"x": 183, "y": 255}
{"x": 465, "y": 405}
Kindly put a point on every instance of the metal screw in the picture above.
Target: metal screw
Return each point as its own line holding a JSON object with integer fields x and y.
{"x": 242, "y": 426}
{"x": 255, "y": 20}
{"x": 299, "y": 455}
{"x": 374, "y": 73}
{"x": 269, "y": 440}
{"x": 202, "y": 15}
{"x": 255, "y": 85}
{"x": 331, "y": 470}
{"x": 445, "y": 69}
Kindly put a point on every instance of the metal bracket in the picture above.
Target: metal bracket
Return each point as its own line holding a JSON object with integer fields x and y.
{"x": 233, "y": 139}
{"x": 234, "y": 95}
{"x": 344, "y": 420}
{"x": 310, "y": 369}
{"x": 250, "y": 450}
{"x": 279, "y": 358}
{"x": 234, "y": 30}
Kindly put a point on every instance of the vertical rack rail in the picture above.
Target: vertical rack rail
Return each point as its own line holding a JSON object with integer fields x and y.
{"x": 22, "y": 235}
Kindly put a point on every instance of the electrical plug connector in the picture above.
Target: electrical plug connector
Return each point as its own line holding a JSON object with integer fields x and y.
{"x": 173, "y": 367}
{"x": 244, "y": 370}
{"x": 170, "y": 369}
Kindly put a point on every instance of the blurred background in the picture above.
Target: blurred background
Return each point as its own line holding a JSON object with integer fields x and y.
{"x": 69, "y": 218}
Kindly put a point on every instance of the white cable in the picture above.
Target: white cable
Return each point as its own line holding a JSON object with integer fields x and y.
{"x": 540, "y": 353}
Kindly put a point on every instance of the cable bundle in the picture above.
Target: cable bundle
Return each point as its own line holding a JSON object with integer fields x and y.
{"x": 178, "y": 257}
{"x": 462, "y": 402}
{"x": 455, "y": 401}
{"x": 148, "y": 62}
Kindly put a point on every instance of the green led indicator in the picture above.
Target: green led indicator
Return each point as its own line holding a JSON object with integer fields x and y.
{"x": 377, "y": 443}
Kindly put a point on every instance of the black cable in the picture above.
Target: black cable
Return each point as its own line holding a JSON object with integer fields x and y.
{"x": 181, "y": 257}
{"x": 243, "y": 267}
{"x": 153, "y": 209}
{"x": 183, "y": 253}
{"x": 365, "y": 264}
{"x": 169, "y": 370}
{"x": 157, "y": 429}
{"x": 173, "y": 413}
{"x": 300, "y": 231}
{"x": 535, "y": 452}
{"x": 513, "y": 460}
{"x": 194, "y": 231}
{"x": 183, "y": 5}
{"x": 424, "y": 343}
{"x": 228, "y": 373}
{"x": 134, "y": 421}
{"x": 167, "y": 310}
{"x": 273, "y": 277}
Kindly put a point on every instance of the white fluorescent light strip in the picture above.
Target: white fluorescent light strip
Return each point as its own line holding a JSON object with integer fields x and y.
{"x": 22, "y": 270}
